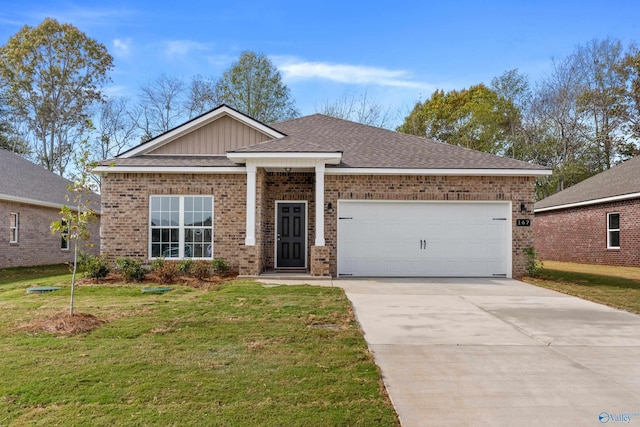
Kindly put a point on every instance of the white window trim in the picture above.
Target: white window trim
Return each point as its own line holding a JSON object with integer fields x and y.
{"x": 609, "y": 230}
{"x": 181, "y": 227}
{"x": 64, "y": 244}
{"x": 15, "y": 229}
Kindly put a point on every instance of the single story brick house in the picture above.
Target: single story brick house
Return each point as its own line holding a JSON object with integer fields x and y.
{"x": 596, "y": 221}
{"x": 30, "y": 199}
{"x": 317, "y": 194}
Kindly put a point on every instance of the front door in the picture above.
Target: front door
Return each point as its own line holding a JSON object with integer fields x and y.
{"x": 291, "y": 235}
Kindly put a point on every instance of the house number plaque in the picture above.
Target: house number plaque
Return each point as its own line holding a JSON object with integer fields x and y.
{"x": 523, "y": 222}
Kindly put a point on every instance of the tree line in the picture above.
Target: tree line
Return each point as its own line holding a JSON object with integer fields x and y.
{"x": 580, "y": 119}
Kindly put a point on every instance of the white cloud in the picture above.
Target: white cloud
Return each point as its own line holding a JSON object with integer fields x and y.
{"x": 295, "y": 69}
{"x": 122, "y": 47}
{"x": 173, "y": 48}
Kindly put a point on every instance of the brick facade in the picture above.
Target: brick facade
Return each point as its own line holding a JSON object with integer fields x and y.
{"x": 125, "y": 208}
{"x": 36, "y": 244}
{"x": 580, "y": 234}
{"x": 125, "y": 211}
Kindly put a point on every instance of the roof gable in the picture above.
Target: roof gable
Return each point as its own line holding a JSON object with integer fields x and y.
{"x": 214, "y": 133}
{"x": 622, "y": 180}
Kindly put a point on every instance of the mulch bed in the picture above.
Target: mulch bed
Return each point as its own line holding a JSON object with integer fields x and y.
{"x": 64, "y": 324}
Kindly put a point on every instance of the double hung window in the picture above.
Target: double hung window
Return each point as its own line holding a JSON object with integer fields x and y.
{"x": 613, "y": 230}
{"x": 181, "y": 227}
{"x": 13, "y": 227}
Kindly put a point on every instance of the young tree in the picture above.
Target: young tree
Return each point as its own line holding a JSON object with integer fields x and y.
{"x": 74, "y": 222}
{"x": 53, "y": 73}
{"x": 253, "y": 85}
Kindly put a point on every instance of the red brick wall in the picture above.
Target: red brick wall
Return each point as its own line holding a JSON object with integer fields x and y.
{"x": 36, "y": 244}
{"x": 580, "y": 234}
{"x": 125, "y": 199}
{"x": 125, "y": 210}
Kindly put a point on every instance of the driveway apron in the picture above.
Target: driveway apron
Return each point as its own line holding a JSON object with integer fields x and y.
{"x": 463, "y": 352}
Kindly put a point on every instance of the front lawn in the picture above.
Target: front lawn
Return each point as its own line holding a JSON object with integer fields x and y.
{"x": 236, "y": 354}
{"x": 617, "y": 287}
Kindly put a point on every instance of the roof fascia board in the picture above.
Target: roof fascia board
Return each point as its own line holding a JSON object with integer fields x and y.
{"x": 196, "y": 123}
{"x": 437, "y": 172}
{"x": 170, "y": 169}
{"x": 590, "y": 202}
{"x": 41, "y": 203}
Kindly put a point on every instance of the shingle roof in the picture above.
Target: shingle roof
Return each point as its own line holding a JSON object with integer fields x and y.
{"x": 361, "y": 146}
{"x": 620, "y": 180}
{"x": 371, "y": 147}
{"x": 19, "y": 178}
{"x": 173, "y": 160}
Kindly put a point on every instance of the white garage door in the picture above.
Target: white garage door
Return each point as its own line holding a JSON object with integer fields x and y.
{"x": 440, "y": 239}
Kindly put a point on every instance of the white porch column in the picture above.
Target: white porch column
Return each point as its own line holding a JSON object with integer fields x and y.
{"x": 320, "y": 204}
{"x": 250, "y": 234}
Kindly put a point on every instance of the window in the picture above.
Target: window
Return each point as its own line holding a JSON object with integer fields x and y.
{"x": 13, "y": 227}
{"x": 613, "y": 231}
{"x": 64, "y": 236}
{"x": 181, "y": 226}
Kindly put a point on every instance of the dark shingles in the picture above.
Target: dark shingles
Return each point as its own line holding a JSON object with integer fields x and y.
{"x": 21, "y": 178}
{"x": 617, "y": 181}
{"x": 169, "y": 161}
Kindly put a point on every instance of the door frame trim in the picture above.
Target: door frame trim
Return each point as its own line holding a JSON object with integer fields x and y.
{"x": 306, "y": 234}
{"x": 508, "y": 203}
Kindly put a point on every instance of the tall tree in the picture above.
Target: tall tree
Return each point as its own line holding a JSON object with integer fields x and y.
{"x": 599, "y": 65}
{"x": 253, "y": 85}
{"x": 476, "y": 118}
{"x": 201, "y": 96}
{"x": 53, "y": 73}
{"x": 160, "y": 105}
{"x": 358, "y": 108}
{"x": 116, "y": 129}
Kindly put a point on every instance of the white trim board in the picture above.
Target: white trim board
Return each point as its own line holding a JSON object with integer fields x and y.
{"x": 41, "y": 203}
{"x": 590, "y": 202}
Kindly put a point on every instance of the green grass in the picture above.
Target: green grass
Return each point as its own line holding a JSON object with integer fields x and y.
{"x": 237, "y": 355}
{"x": 614, "y": 286}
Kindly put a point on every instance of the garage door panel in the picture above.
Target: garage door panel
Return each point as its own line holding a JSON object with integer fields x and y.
{"x": 423, "y": 239}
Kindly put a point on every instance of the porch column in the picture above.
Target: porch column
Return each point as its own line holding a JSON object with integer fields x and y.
{"x": 250, "y": 234}
{"x": 320, "y": 204}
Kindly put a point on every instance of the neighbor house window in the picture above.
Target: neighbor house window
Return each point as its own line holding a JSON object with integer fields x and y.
{"x": 181, "y": 226}
{"x": 64, "y": 236}
{"x": 613, "y": 230}
{"x": 13, "y": 227}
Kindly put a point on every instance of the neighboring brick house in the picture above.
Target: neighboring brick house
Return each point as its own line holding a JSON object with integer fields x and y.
{"x": 596, "y": 221}
{"x": 317, "y": 194}
{"x": 30, "y": 199}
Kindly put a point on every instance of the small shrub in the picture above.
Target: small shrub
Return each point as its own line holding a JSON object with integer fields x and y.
{"x": 201, "y": 269}
{"x": 185, "y": 266}
{"x": 131, "y": 269}
{"x": 95, "y": 267}
{"x": 167, "y": 272}
{"x": 220, "y": 266}
{"x": 157, "y": 263}
{"x": 533, "y": 263}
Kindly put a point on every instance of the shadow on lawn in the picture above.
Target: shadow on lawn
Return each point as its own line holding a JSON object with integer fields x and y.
{"x": 587, "y": 279}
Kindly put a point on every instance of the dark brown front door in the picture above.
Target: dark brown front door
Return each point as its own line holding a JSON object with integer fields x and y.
{"x": 291, "y": 235}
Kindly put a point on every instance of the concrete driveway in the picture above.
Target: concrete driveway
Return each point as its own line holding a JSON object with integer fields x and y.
{"x": 468, "y": 352}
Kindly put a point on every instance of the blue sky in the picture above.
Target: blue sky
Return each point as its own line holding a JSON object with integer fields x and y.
{"x": 396, "y": 51}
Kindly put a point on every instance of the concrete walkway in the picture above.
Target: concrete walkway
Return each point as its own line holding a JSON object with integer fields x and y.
{"x": 464, "y": 352}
